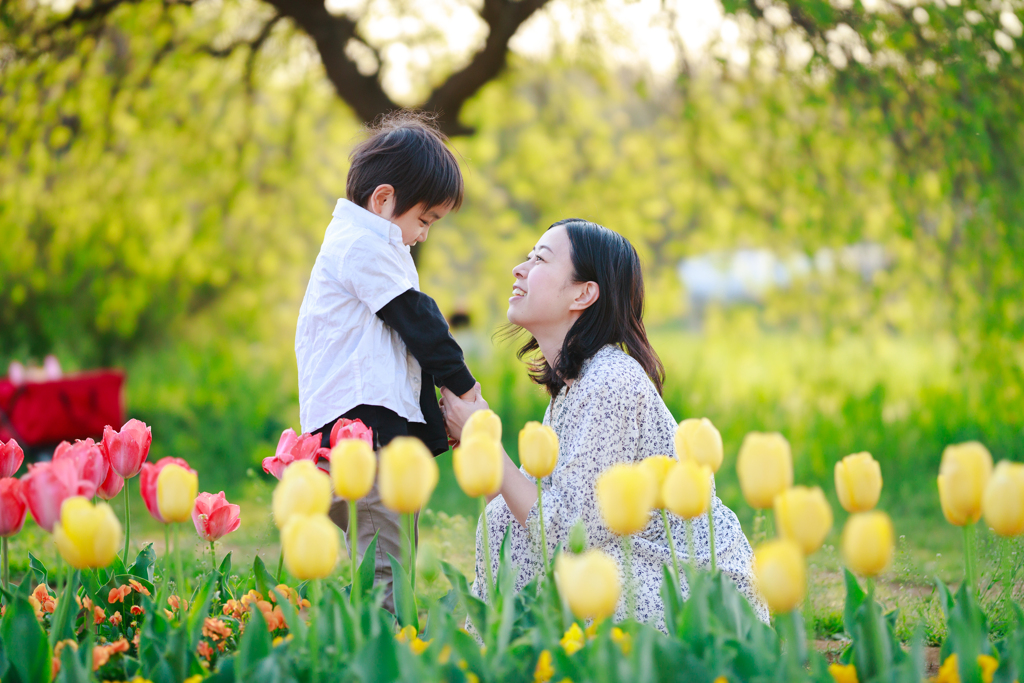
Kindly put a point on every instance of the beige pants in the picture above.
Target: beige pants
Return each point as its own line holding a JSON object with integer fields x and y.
{"x": 373, "y": 518}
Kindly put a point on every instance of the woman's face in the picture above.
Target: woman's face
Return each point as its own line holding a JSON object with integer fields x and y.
{"x": 544, "y": 295}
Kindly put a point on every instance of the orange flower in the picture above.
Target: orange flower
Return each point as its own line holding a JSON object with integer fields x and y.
{"x": 84, "y": 603}
{"x": 101, "y": 654}
{"x": 273, "y": 615}
{"x": 251, "y": 597}
{"x": 98, "y": 615}
{"x": 119, "y": 593}
{"x": 215, "y": 629}
{"x": 139, "y": 588}
{"x": 57, "y": 649}
{"x": 137, "y": 610}
{"x": 234, "y": 609}
{"x": 47, "y": 602}
{"x": 115, "y": 619}
{"x": 204, "y": 650}
{"x": 175, "y": 602}
{"x": 36, "y": 606}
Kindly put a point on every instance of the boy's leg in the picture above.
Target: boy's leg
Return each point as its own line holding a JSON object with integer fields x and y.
{"x": 375, "y": 519}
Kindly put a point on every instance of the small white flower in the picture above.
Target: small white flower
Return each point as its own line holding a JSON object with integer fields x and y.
{"x": 920, "y": 15}
{"x": 973, "y": 16}
{"x": 1004, "y": 41}
{"x": 1011, "y": 24}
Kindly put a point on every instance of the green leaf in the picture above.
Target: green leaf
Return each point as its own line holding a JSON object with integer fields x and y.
{"x": 476, "y": 610}
{"x": 63, "y": 625}
{"x": 22, "y": 634}
{"x": 197, "y": 613}
{"x": 405, "y": 600}
{"x": 225, "y": 565}
{"x": 368, "y": 567}
{"x": 377, "y": 662}
{"x": 76, "y": 665}
{"x": 144, "y": 564}
{"x": 505, "y": 597}
{"x": 264, "y": 579}
{"x": 671, "y": 599}
{"x": 255, "y": 645}
{"x": 854, "y": 599}
{"x": 38, "y": 567}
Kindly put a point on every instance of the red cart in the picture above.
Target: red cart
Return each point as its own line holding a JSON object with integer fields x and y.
{"x": 42, "y": 414}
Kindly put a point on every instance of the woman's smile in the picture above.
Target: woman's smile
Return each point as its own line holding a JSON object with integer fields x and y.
{"x": 517, "y": 293}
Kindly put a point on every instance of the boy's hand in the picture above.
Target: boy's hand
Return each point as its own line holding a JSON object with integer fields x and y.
{"x": 456, "y": 410}
{"x": 470, "y": 396}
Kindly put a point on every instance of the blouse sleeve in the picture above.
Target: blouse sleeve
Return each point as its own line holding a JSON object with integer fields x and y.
{"x": 604, "y": 431}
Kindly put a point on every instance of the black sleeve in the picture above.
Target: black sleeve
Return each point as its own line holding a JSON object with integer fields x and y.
{"x": 418, "y": 321}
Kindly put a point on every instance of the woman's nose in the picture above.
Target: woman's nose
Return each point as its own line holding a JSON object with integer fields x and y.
{"x": 520, "y": 271}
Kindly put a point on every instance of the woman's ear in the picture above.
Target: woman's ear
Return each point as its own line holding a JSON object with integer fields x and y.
{"x": 382, "y": 201}
{"x": 588, "y": 294}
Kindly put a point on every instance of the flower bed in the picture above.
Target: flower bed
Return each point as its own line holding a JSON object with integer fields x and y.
{"x": 106, "y": 619}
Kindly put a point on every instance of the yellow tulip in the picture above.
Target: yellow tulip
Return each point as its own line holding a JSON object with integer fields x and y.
{"x": 176, "y": 491}
{"x": 304, "y": 489}
{"x": 781, "y": 574}
{"x": 764, "y": 467}
{"x": 659, "y": 466}
{"x": 843, "y": 673}
{"x": 589, "y": 582}
{"x": 408, "y": 474}
{"x": 868, "y": 542}
{"x": 310, "y": 546}
{"x": 803, "y": 515}
{"x": 687, "y": 489}
{"x": 478, "y": 465}
{"x": 482, "y": 422}
{"x": 625, "y": 496}
{"x": 699, "y": 440}
{"x": 963, "y": 475}
{"x": 858, "y": 482}
{"x": 538, "y": 449}
{"x": 353, "y": 468}
{"x": 1003, "y": 502}
{"x": 87, "y": 536}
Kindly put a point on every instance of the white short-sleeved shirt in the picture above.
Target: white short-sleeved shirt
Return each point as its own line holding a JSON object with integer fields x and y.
{"x": 346, "y": 355}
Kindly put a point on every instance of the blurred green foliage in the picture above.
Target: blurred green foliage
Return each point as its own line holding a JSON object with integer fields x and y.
{"x": 161, "y": 210}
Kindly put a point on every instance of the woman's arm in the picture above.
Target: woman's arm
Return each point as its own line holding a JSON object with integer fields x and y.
{"x": 519, "y": 492}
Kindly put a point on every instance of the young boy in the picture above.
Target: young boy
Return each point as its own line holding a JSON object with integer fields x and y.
{"x": 368, "y": 343}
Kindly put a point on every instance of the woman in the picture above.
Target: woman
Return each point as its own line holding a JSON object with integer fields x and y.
{"x": 580, "y": 295}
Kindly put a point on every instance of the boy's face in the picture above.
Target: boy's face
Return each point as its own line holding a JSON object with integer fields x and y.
{"x": 415, "y": 223}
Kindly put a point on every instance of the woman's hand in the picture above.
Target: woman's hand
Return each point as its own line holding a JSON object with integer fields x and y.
{"x": 456, "y": 410}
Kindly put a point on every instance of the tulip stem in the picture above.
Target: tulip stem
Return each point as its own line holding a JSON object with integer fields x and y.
{"x": 180, "y": 588}
{"x": 411, "y": 523}
{"x": 627, "y": 572}
{"x": 353, "y": 538}
{"x": 969, "y": 567}
{"x": 487, "y": 550}
{"x": 314, "y": 648}
{"x": 689, "y": 544}
{"x": 127, "y": 521}
{"x": 540, "y": 517}
{"x": 671, "y": 544}
{"x": 213, "y": 557}
{"x": 7, "y": 568}
{"x": 280, "y": 564}
{"x": 711, "y": 534}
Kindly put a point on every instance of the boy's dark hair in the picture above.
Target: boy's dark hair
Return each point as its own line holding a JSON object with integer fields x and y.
{"x": 407, "y": 151}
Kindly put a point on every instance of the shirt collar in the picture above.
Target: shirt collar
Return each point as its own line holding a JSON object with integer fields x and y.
{"x": 381, "y": 227}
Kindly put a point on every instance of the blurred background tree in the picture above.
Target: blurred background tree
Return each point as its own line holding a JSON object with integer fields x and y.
{"x": 827, "y": 197}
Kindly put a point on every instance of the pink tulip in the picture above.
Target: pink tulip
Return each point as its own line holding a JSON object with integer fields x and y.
{"x": 351, "y": 429}
{"x": 88, "y": 459}
{"x": 11, "y": 457}
{"x": 12, "y": 506}
{"x": 214, "y": 516}
{"x": 291, "y": 448}
{"x": 48, "y": 484}
{"x": 112, "y": 484}
{"x": 147, "y": 482}
{"x": 129, "y": 448}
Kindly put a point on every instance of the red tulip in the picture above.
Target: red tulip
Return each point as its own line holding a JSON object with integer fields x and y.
{"x": 48, "y": 484}
{"x": 12, "y": 506}
{"x": 112, "y": 484}
{"x": 11, "y": 457}
{"x": 147, "y": 482}
{"x": 214, "y": 516}
{"x": 351, "y": 429}
{"x": 88, "y": 459}
{"x": 129, "y": 448}
{"x": 291, "y": 448}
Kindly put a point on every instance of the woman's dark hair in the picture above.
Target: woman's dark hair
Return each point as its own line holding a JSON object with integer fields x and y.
{"x": 617, "y": 317}
{"x": 407, "y": 151}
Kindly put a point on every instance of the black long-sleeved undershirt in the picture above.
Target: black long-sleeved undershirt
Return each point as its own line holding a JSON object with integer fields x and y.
{"x": 420, "y": 324}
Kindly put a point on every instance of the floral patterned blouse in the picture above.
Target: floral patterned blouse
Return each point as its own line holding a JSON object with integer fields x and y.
{"x": 613, "y": 414}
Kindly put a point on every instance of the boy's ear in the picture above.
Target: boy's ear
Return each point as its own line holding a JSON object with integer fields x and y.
{"x": 382, "y": 201}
